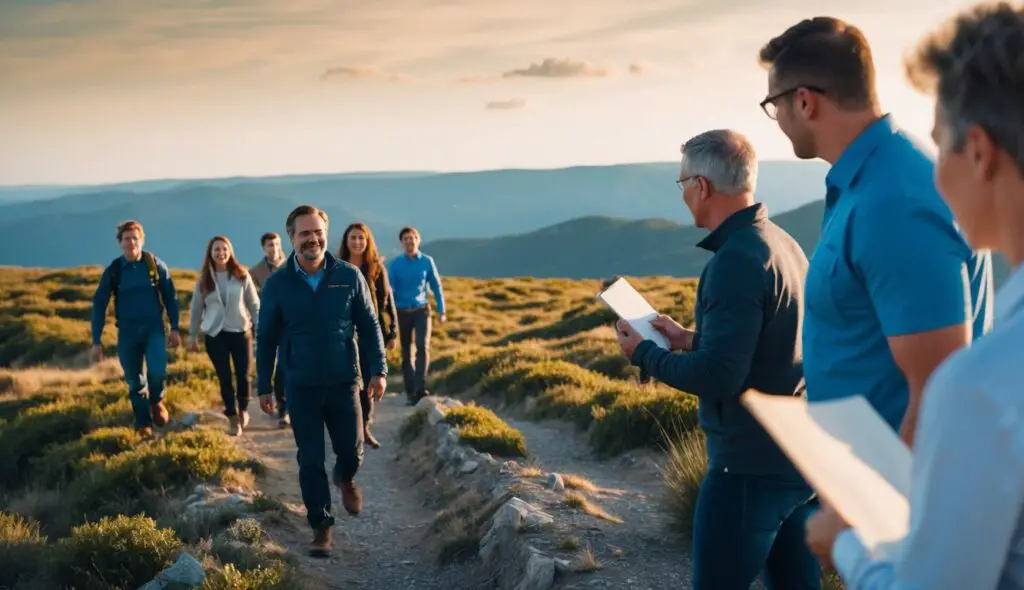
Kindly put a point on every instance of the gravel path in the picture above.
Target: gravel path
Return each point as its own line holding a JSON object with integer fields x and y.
{"x": 383, "y": 548}
{"x": 376, "y": 549}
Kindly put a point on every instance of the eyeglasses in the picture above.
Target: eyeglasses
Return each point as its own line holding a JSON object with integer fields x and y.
{"x": 685, "y": 179}
{"x": 768, "y": 104}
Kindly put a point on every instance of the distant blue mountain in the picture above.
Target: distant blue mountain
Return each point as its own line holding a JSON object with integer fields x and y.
{"x": 181, "y": 215}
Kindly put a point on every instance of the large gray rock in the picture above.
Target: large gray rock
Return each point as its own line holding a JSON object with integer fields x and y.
{"x": 186, "y": 571}
{"x": 540, "y": 573}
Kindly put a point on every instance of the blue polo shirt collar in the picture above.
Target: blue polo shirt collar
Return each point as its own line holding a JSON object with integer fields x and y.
{"x": 745, "y": 217}
{"x": 844, "y": 172}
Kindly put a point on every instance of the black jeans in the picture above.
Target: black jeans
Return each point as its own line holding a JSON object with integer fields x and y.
{"x": 418, "y": 321}
{"x": 312, "y": 408}
{"x": 224, "y": 349}
{"x": 746, "y": 524}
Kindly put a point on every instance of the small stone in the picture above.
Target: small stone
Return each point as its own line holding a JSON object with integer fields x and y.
{"x": 469, "y": 466}
{"x": 509, "y": 467}
{"x": 555, "y": 482}
{"x": 189, "y": 420}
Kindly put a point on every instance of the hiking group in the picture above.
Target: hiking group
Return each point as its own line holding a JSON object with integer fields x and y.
{"x": 317, "y": 323}
{"x": 895, "y": 303}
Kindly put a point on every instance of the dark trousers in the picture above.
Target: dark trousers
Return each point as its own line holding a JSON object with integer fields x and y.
{"x": 225, "y": 349}
{"x": 311, "y": 409}
{"x": 414, "y": 321}
{"x": 135, "y": 345}
{"x": 746, "y": 524}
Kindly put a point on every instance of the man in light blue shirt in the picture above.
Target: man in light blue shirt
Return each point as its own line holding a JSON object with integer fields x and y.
{"x": 410, "y": 274}
{"x": 892, "y": 288}
{"x": 967, "y": 487}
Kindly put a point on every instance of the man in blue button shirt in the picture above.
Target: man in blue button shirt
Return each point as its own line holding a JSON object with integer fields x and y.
{"x": 892, "y": 287}
{"x": 410, "y": 275}
{"x": 966, "y": 526}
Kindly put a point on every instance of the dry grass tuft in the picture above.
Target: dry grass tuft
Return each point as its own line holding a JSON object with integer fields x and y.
{"x": 576, "y": 482}
{"x": 578, "y": 501}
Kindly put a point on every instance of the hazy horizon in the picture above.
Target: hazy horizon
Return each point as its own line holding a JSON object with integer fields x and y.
{"x": 104, "y": 91}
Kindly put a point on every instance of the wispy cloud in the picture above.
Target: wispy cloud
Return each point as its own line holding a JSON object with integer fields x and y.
{"x": 366, "y": 73}
{"x": 506, "y": 105}
{"x": 558, "y": 67}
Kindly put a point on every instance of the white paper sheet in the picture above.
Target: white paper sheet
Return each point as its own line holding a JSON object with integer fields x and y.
{"x": 850, "y": 456}
{"x": 631, "y": 306}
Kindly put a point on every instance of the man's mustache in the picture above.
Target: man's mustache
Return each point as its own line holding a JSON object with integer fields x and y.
{"x": 314, "y": 242}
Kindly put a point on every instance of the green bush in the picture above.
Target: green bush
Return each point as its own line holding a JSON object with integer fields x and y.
{"x": 173, "y": 462}
{"x": 484, "y": 431}
{"x": 62, "y": 462}
{"x": 22, "y": 548}
{"x": 118, "y": 552}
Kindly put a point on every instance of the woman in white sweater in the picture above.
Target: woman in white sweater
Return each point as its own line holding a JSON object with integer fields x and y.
{"x": 225, "y": 308}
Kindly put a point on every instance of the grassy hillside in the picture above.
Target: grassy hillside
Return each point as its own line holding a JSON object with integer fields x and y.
{"x": 84, "y": 501}
{"x": 180, "y": 218}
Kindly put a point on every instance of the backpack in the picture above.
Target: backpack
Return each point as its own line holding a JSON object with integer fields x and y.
{"x": 154, "y": 279}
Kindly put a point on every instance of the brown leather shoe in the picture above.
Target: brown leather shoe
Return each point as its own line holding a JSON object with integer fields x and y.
{"x": 159, "y": 413}
{"x": 368, "y": 438}
{"x": 351, "y": 498}
{"x": 145, "y": 432}
{"x": 322, "y": 544}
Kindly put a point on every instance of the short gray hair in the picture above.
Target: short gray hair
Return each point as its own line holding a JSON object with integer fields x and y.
{"x": 723, "y": 156}
{"x": 973, "y": 66}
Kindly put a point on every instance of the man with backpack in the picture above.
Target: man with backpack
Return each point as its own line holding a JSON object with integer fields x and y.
{"x": 142, "y": 288}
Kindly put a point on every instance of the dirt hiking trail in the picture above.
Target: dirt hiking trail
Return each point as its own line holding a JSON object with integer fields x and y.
{"x": 383, "y": 547}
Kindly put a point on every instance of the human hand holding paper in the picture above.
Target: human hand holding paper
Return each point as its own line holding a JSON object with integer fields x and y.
{"x": 679, "y": 338}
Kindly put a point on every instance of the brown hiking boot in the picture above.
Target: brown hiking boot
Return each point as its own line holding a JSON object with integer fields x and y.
{"x": 145, "y": 432}
{"x": 351, "y": 498}
{"x": 159, "y": 413}
{"x": 321, "y": 545}
{"x": 368, "y": 438}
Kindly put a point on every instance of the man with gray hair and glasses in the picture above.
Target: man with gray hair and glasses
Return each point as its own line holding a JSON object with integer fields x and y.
{"x": 753, "y": 502}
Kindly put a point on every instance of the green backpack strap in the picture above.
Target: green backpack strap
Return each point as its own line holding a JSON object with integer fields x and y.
{"x": 154, "y": 277}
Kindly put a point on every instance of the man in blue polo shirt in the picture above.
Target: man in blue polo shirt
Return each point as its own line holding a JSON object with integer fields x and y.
{"x": 892, "y": 287}
{"x": 410, "y": 275}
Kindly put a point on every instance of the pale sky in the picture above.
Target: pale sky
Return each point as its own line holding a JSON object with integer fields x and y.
{"x": 111, "y": 90}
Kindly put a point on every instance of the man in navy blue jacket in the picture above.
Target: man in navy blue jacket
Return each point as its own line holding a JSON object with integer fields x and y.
{"x": 313, "y": 309}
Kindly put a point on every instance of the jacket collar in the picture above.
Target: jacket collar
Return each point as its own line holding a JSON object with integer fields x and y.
{"x": 746, "y": 217}
{"x": 330, "y": 261}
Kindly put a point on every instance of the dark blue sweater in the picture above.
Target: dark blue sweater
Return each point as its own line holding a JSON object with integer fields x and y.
{"x": 748, "y": 316}
{"x": 316, "y": 330}
{"x": 138, "y": 303}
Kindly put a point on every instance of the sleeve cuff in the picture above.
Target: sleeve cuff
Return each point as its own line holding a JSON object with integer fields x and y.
{"x": 640, "y": 352}
{"x": 847, "y": 554}
{"x": 695, "y": 342}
